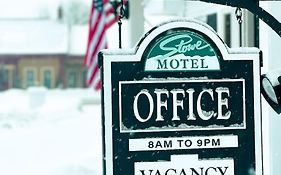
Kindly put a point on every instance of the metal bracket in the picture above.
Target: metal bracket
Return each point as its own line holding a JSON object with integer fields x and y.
{"x": 253, "y": 7}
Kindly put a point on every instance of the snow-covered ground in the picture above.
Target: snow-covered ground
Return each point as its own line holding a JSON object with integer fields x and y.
{"x": 50, "y": 132}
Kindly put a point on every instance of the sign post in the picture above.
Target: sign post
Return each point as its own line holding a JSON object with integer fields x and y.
{"x": 181, "y": 103}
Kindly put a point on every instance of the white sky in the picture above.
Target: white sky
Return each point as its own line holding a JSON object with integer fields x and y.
{"x": 21, "y": 9}
{"x": 28, "y": 8}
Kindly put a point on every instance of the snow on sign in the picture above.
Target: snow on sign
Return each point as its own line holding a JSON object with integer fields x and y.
{"x": 181, "y": 103}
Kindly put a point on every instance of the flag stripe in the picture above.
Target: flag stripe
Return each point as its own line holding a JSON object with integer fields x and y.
{"x": 110, "y": 20}
{"x": 95, "y": 62}
{"x": 93, "y": 71}
{"x": 95, "y": 84}
{"x": 95, "y": 17}
{"x": 98, "y": 86}
{"x": 95, "y": 49}
{"x": 98, "y": 32}
{"x": 93, "y": 28}
{"x": 102, "y": 17}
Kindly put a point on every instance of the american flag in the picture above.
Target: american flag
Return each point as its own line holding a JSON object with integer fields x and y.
{"x": 102, "y": 17}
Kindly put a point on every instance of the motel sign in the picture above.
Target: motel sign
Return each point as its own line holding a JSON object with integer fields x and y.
{"x": 181, "y": 103}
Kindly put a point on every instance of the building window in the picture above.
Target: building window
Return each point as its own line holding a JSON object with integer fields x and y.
{"x": 47, "y": 78}
{"x": 227, "y": 29}
{"x": 16, "y": 81}
{"x": 72, "y": 79}
{"x": 30, "y": 77}
{"x": 4, "y": 78}
{"x": 85, "y": 78}
{"x": 60, "y": 13}
{"x": 212, "y": 21}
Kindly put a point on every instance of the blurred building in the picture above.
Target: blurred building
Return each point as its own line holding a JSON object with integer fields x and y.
{"x": 43, "y": 44}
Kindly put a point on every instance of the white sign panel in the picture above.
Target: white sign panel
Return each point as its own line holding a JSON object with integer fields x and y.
{"x": 186, "y": 165}
{"x": 178, "y": 143}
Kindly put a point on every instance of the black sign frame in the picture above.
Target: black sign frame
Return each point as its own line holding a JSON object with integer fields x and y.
{"x": 128, "y": 66}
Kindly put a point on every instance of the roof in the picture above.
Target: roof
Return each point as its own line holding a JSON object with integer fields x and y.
{"x": 32, "y": 36}
{"x": 41, "y": 37}
{"x": 31, "y": 27}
